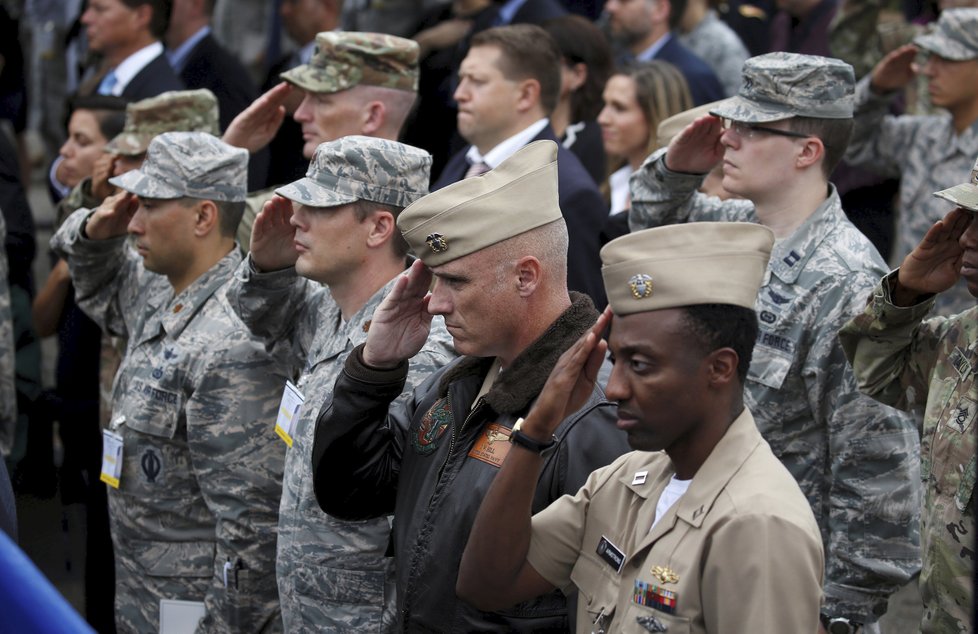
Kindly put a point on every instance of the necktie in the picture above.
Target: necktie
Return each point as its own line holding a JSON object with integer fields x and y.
{"x": 108, "y": 83}
{"x": 477, "y": 169}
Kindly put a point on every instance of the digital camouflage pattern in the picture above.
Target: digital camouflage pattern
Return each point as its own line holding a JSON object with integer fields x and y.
{"x": 955, "y": 37}
{"x": 362, "y": 168}
{"x": 777, "y": 86}
{"x": 926, "y": 154}
{"x": 194, "y": 401}
{"x": 856, "y": 461}
{"x": 80, "y": 196}
{"x": 344, "y": 59}
{"x": 964, "y": 195}
{"x": 333, "y": 575}
{"x": 929, "y": 366}
{"x": 863, "y": 31}
{"x": 185, "y": 110}
{"x": 720, "y": 47}
{"x": 8, "y": 392}
{"x": 189, "y": 164}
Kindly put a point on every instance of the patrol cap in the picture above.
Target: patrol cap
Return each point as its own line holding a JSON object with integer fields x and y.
{"x": 782, "y": 85}
{"x": 964, "y": 195}
{"x": 344, "y": 59}
{"x": 955, "y": 37}
{"x": 670, "y": 127}
{"x": 685, "y": 265}
{"x": 362, "y": 168}
{"x": 472, "y": 214}
{"x": 174, "y": 111}
{"x": 191, "y": 164}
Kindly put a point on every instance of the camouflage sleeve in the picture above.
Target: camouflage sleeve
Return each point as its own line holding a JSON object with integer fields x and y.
{"x": 238, "y": 462}
{"x": 873, "y": 457}
{"x": 663, "y": 197}
{"x": 879, "y": 141}
{"x": 108, "y": 276}
{"x": 853, "y": 36}
{"x": 80, "y": 196}
{"x": 277, "y": 307}
{"x": 893, "y": 351}
{"x": 8, "y": 394}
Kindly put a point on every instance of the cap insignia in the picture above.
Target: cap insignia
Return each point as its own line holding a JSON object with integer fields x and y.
{"x": 641, "y": 285}
{"x": 437, "y": 243}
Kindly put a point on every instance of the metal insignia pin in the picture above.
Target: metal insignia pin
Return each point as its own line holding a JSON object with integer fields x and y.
{"x": 665, "y": 574}
{"x": 652, "y": 624}
{"x": 641, "y": 285}
{"x": 437, "y": 243}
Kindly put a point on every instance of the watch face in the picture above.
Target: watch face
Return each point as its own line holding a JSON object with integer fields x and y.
{"x": 840, "y": 626}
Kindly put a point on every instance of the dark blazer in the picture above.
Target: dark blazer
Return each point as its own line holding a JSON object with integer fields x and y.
{"x": 583, "y": 209}
{"x": 704, "y": 86}
{"x": 285, "y": 160}
{"x": 588, "y": 147}
{"x": 209, "y": 65}
{"x": 155, "y": 78}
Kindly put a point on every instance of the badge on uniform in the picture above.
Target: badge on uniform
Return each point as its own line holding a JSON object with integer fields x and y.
{"x": 433, "y": 426}
{"x": 492, "y": 446}
{"x": 653, "y": 596}
{"x": 288, "y": 412}
{"x": 111, "y": 458}
{"x": 651, "y": 623}
{"x": 611, "y": 554}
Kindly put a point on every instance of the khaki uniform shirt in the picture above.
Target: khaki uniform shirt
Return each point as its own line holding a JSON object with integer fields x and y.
{"x": 739, "y": 552}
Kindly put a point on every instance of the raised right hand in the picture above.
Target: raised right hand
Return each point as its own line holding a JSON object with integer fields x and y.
{"x": 895, "y": 70}
{"x": 400, "y": 325}
{"x": 101, "y": 173}
{"x": 256, "y": 125}
{"x": 111, "y": 218}
{"x": 272, "y": 235}
{"x": 697, "y": 148}
{"x": 935, "y": 264}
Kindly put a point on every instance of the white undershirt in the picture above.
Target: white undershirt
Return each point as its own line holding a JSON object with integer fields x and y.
{"x": 673, "y": 491}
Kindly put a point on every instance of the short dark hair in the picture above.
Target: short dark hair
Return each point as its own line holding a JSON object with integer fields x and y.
{"x": 229, "y": 216}
{"x": 834, "y": 134}
{"x": 716, "y": 326}
{"x": 363, "y": 208}
{"x": 581, "y": 42}
{"x": 162, "y": 9}
{"x": 109, "y": 112}
{"x": 527, "y": 52}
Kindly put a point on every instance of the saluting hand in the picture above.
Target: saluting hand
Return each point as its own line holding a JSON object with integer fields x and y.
{"x": 697, "y": 148}
{"x": 272, "y": 236}
{"x": 935, "y": 264}
{"x": 111, "y": 218}
{"x": 895, "y": 70}
{"x": 256, "y": 125}
{"x": 400, "y": 325}
{"x": 101, "y": 173}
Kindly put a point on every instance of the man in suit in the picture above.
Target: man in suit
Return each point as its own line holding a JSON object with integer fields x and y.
{"x": 643, "y": 31}
{"x": 508, "y": 84}
{"x": 127, "y": 34}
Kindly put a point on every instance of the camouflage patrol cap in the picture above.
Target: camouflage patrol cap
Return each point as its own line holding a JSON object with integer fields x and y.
{"x": 189, "y": 164}
{"x": 686, "y": 265}
{"x": 362, "y": 168}
{"x": 474, "y": 213}
{"x": 964, "y": 195}
{"x": 174, "y": 111}
{"x": 955, "y": 37}
{"x": 779, "y": 86}
{"x": 344, "y": 59}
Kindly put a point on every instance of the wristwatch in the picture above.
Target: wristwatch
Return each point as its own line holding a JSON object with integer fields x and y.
{"x": 839, "y": 625}
{"x": 519, "y": 438}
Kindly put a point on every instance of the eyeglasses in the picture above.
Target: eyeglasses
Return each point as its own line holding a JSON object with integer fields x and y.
{"x": 750, "y": 131}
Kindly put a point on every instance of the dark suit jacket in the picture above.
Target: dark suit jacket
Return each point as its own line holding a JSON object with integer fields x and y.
{"x": 704, "y": 86}
{"x": 286, "y": 162}
{"x": 583, "y": 209}
{"x": 209, "y": 65}
{"x": 155, "y": 78}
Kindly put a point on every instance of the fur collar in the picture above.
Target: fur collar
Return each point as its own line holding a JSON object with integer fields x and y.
{"x": 521, "y": 383}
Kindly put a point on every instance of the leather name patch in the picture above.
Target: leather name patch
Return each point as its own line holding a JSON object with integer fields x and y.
{"x": 492, "y": 446}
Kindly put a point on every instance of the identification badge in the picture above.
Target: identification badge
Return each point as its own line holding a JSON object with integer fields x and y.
{"x": 111, "y": 458}
{"x": 179, "y": 617}
{"x": 492, "y": 446}
{"x": 288, "y": 411}
{"x": 611, "y": 554}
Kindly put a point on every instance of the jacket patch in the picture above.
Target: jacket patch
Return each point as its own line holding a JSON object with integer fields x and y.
{"x": 151, "y": 466}
{"x": 962, "y": 415}
{"x": 492, "y": 445}
{"x": 433, "y": 426}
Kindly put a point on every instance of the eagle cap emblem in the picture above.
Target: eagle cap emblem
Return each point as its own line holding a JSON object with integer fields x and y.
{"x": 640, "y": 285}
{"x": 437, "y": 243}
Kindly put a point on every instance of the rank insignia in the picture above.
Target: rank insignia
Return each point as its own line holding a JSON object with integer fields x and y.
{"x": 437, "y": 243}
{"x": 664, "y": 574}
{"x": 652, "y": 624}
{"x": 641, "y": 285}
{"x": 654, "y": 596}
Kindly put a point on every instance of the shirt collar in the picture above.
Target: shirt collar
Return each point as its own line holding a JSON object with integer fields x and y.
{"x": 178, "y": 56}
{"x": 790, "y": 254}
{"x": 180, "y": 310}
{"x": 507, "y": 148}
{"x": 654, "y": 49}
{"x": 131, "y": 66}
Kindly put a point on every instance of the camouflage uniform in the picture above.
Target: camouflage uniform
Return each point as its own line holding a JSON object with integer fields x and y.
{"x": 8, "y": 393}
{"x": 923, "y": 151}
{"x": 929, "y": 366}
{"x": 721, "y": 48}
{"x": 194, "y": 401}
{"x": 333, "y": 575}
{"x": 855, "y": 461}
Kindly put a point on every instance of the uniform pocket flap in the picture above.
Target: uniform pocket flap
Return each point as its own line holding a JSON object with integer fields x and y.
{"x": 175, "y": 559}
